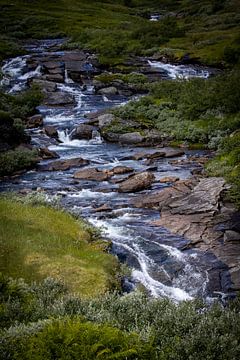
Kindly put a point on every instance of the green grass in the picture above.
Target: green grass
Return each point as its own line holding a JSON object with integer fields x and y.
{"x": 39, "y": 241}
{"x": 115, "y": 30}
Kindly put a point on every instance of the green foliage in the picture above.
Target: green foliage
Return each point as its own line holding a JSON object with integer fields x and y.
{"x": 43, "y": 321}
{"x": 116, "y": 29}
{"x": 13, "y": 161}
{"x": 227, "y": 164}
{"x": 21, "y": 105}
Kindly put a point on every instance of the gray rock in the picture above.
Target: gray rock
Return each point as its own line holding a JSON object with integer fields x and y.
{"x": 83, "y": 131}
{"x": 111, "y": 90}
{"x": 231, "y": 236}
{"x": 59, "y": 98}
{"x": 137, "y": 182}
{"x": 131, "y": 138}
{"x": 105, "y": 120}
{"x": 46, "y": 86}
{"x": 58, "y": 78}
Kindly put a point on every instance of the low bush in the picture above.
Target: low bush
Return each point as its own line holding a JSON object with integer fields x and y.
{"x": 44, "y": 321}
{"x": 13, "y": 161}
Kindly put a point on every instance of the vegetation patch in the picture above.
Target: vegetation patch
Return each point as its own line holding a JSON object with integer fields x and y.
{"x": 42, "y": 321}
{"x": 38, "y": 241}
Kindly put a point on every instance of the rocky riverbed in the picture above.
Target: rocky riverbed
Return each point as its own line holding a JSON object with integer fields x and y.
{"x": 172, "y": 227}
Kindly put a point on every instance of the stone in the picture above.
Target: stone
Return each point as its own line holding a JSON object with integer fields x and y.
{"x": 49, "y": 65}
{"x": 110, "y": 136}
{"x": 156, "y": 155}
{"x": 34, "y": 121}
{"x": 59, "y": 98}
{"x": 62, "y": 165}
{"x": 58, "y": 78}
{"x": 91, "y": 174}
{"x": 121, "y": 170}
{"x": 51, "y": 131}
{"x": 137, "y": 182}
{"x": 231, "y": 236}
{"x": 131, "y": 138}
{"x": 111, "y": 90}
{"x": 83, "y": 131}
{"x": 105, "y": 120}
{"x": 45, "y": 153}
{"x": 46, "y": 86}
{"x": 169, "y": 179}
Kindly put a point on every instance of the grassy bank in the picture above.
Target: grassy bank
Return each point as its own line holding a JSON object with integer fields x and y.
{"x": 38, "y": 241}
{"x": 207, "y": 30}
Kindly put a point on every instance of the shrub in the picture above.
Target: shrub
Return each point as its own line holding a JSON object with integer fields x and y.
{"x": 15, "y": 160}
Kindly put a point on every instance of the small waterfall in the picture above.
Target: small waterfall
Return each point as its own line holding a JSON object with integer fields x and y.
{"x": 64, "y": 136}
{"x": 105, "y": 99}
{"x": 67, "y": 79}
{"x": 96, "y": 138}
{"x": 179, "y": 71}
{"x": 31, "y": 74}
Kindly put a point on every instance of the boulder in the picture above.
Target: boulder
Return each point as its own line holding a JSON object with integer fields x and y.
{"x": 45, "y": 153}
{"x": 131, "y": 138}
{"x": 111, "y": 90}
{"x": 91, "y": 174}
{"x": 110, "y": 136}
{"x": 34, "y": 121}
{"x": 61, "y": 165}
{"x": 59, "y": 98}
{"x": 137, "y": 182}
{"x": 83, "y": 131}
{"x": 105, "y": 120}
{"x": 51, "y": 131}
{"x": 46, "y": 86}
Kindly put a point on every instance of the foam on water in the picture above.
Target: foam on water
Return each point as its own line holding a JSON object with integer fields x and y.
{"x": 31, "y": 74}
{"x": 179, "y": 71}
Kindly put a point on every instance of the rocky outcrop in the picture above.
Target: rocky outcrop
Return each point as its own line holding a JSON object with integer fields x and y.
{"x": 137, "y": 182}
{"x": 111, "y": 90}
{"x": 196, "y": 210}
{"x": 61, "y": 165}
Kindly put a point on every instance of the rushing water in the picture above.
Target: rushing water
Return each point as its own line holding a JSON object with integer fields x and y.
{"x": 153, "y": 253}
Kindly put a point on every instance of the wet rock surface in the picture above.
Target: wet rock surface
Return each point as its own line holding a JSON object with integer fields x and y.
{"x": 199, "y": 214}
{"x": 64, "y": 164}
{"x": 137, "y": 182}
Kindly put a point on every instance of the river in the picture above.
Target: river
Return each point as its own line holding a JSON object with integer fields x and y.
{"x": 156, "y": 257}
